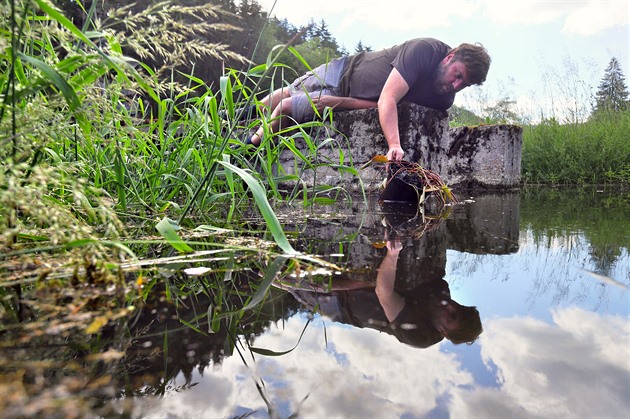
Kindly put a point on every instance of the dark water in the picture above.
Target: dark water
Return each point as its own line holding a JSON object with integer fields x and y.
{"x": 555, "y": 340}
{"x": 547, "y": 272}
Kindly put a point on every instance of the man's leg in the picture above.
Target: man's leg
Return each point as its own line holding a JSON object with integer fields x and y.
{"x": 278, "y": 116}
{"x": 294, "y": 101}
{"x": 274, "y": 99}
{"x": 251, "y": 111}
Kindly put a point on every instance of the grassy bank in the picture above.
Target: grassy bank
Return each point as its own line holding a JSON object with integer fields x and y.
{"x": 593, "y": 152}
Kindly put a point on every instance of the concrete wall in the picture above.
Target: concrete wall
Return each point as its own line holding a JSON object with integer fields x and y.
{"x": 487, "y": 157}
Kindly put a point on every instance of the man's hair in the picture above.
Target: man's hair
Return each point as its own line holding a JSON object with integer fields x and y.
{"x": 476, "y": 59}
{"x": 469, "y": 326}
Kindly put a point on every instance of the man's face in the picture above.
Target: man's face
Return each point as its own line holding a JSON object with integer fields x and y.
{"x": 451, "y": 76}
{"x": 446, "y": 317}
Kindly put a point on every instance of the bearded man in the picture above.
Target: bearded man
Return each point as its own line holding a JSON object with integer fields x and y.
{"x": 424, "y": 71}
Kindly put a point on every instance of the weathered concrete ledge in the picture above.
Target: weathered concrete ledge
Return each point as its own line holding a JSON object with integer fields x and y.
{"x": 486, "y": 156}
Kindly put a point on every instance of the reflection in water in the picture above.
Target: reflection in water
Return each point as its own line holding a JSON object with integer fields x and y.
{"x": 421, "y": 316}
{"x": 540, "y": 365}
{"x": 362, "y": 373}
{"x": 555, "y": 341}
{"x": 575, "y": 366}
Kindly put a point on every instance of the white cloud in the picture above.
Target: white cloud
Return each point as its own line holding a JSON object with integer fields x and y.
{"x": 583, "y": 17}
{"x": 577, "y": 367}
{"x": 393, "y": 15}
{"x": 595, "y": 16}
{"x": 505, "y": 13}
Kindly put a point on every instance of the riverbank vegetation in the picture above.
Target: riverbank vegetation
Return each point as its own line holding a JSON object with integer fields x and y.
{"x": 105, "y": 118}
{"x": 593, "y": 152}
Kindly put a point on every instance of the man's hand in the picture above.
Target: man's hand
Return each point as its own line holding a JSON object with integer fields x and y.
{"x": 394, "y": 246}
{"x": 395, "y": 153}
{"x": 324, "y": 101}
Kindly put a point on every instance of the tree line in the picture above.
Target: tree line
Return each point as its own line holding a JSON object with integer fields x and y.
{"x": 229, "y": 34}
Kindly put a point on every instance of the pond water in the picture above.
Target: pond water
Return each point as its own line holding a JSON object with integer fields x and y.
{"x": 547, "y": 272}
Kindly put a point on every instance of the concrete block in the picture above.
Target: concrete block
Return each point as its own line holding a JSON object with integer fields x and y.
{"x": 487, "y": 156}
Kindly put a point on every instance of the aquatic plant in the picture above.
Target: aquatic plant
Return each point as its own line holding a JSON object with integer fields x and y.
{"x": 409, "y": 181}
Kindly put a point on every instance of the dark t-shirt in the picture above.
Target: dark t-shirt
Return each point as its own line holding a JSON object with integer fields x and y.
{"x": 361, "y": 308}
{"x": 416, "y": 60}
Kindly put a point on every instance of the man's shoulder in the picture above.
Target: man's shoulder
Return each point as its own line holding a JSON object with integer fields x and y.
{"x": 428, "y": 43}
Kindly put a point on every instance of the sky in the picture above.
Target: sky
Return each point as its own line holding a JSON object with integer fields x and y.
{"x": 548, "y": 56}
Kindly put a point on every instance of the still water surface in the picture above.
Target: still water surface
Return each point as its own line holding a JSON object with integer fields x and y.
{"x": 547, "y": 270}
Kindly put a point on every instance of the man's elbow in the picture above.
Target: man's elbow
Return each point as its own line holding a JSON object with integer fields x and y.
{"x": 386, "y": 101}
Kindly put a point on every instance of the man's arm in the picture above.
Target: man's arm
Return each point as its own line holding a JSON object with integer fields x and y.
{"x": 341, "y": 102}
{"x": 394, "y": 90}
{"x": 391, "y": 302}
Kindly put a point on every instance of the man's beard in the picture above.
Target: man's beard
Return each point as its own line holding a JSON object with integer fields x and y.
{"x": 439, "y": 86}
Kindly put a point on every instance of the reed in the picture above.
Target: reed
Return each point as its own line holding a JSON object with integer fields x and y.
{"x": 593, "y": 152}
{"x": 108, "y": 142}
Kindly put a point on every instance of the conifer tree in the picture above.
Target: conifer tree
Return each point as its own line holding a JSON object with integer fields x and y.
{"x": 612, "y": 93}
{"x": 362, "y": 48}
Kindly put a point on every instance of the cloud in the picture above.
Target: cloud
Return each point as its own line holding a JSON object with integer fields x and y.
{"x": 578, "y": 17}
{"x": 577, "y": 367}
{"x": 525, "y": 12}
{"x": 581, "y": 17}
{"x": 394, "y": 15}
{"x": 596, "y": 16}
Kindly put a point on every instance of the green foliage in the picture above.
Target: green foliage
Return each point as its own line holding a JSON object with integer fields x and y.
{"x": 596, "y": 151}
{"x": 314, "y": 52}
{"x": 459, "y": 116}
{"x": 117, "y": 140}
{"x": 601, "y": 213}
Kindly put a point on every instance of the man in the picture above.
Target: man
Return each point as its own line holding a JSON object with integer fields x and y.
{"x": 424, "y": 71}
{"x": 421, "y": 316}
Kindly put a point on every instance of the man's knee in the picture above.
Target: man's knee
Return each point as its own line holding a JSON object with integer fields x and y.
{"x": 287, "y": 105}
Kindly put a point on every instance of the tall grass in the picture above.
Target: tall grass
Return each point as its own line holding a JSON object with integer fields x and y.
{"x": 593, "y": 152}
{"x": 122, "y": 143}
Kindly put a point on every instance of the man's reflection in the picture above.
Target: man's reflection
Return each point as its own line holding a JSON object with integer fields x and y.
{"x": 421, "y": 316}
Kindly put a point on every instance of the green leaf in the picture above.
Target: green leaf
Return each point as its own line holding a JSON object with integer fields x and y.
{"x": 193, "y": 327}
{"x": 55, "y": 78}
{"x": 270, "y": 276}
{"x": 267, "y": 212}
{"x": 167, "y": 229}
{"x": 226, "y": 94}
{"x": 64, "y": 21}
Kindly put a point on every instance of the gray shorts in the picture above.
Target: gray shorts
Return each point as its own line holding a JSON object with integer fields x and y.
{"x": 323, "y": 80}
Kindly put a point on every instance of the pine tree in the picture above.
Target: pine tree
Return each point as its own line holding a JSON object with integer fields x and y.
{"x": 612, "y": 93}
{"x": 361, "y": 48}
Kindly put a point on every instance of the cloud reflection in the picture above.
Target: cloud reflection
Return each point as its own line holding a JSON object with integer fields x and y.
{"x": 578, "y": 366}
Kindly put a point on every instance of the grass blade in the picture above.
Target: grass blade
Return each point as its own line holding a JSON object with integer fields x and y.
{"x": 267, "y": 212}
{"x": 166, "y": 229}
